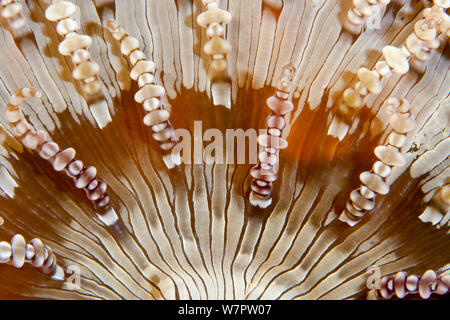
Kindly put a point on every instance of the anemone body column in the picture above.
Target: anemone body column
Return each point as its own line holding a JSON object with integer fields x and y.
{"x": 265, "y": 172}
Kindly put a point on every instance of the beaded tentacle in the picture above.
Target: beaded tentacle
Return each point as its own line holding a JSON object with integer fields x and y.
{"x": 389, "y": 155}
{"x": 76, "y": 46}
{"x": 369, "y": 82}
{"x": 424, "y": 39}
{"x": 103, "y": 3}
{"x": 362, "y": 12}
{"x": 149, "y": 94}
{"x": 61, "y": 160}
{"x": 438, "y": 210}
{"x": 18, "y": 252}
{"x": 213, "y": 19}
{"x": 265, "y": 172}
{"x": 276, "y": 5}
{"x": 419, "y": 45}
{"x": 401, "y": 284}
{"x": 12, "y": 11}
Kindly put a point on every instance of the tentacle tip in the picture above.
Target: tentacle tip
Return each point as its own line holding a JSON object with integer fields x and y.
{"x": 112, "y": 25}
{"x": 338, "y": 129}
{"x": 259, "y": 203}
{"x": 108, "y": 218}
{"x": 372, "y": 295}
{"x": 221, "y": 93}
{"x": 346, "y": 219}
{"x": 172, "y": 160}
{"x": 59, "y": 274}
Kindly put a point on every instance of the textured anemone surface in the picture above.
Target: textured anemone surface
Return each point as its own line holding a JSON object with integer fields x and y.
{"x": 191, "y": 232}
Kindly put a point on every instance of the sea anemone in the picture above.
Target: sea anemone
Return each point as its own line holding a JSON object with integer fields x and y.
{"x": 349, "y": 197}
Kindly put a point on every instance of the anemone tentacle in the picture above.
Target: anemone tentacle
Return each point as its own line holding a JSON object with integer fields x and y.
{"x": 192, "y": 232}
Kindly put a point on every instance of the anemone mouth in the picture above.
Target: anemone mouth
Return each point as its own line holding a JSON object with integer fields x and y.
{"x": 191, "y": 232}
